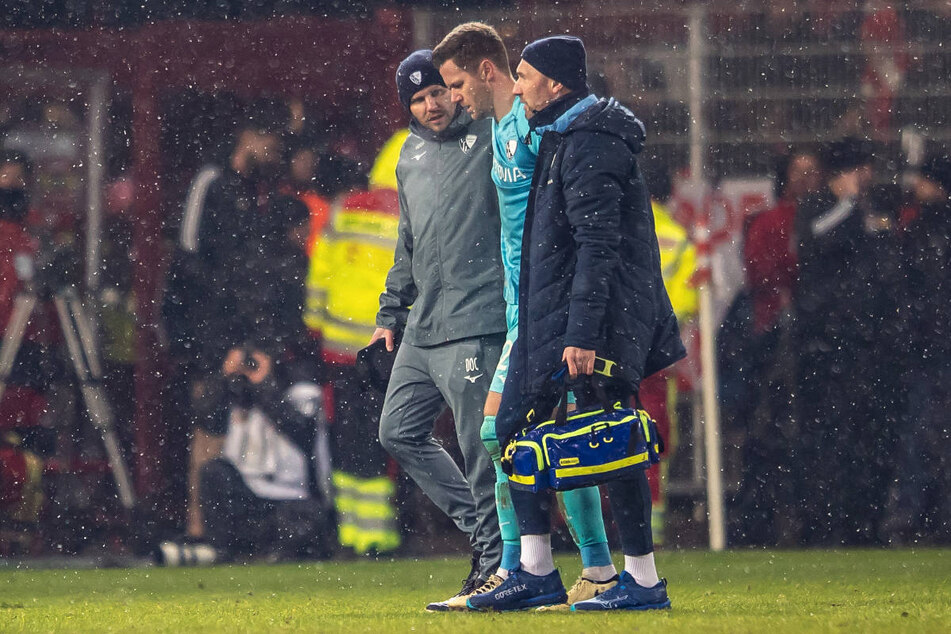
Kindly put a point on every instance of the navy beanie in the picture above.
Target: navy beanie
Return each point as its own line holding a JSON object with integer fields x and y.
{"x": 559, "y": 57}
{"x": 415, "y": 73}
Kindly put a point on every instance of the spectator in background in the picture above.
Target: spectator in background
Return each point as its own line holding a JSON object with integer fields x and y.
{"x": 237, "y": 302}
{"x": 27, "y": 265}
{"x": 883, "y": 41}
{"x": 349, "y": 261}
{"x": 920, "y": 503}
{"x": 383, "y": 172}
{"x": 348, "y": 267}
{"x": 22, "y": 401}
{"x": 117, "y": 303}
{"x": 830, "y": 237}
{"x": 303, "y": 162}
{"x": 18, "y": 251}
{"x": 881, "y": 355}
{"x": 678, "y": 264}
{"x": 767, "y": 490}
{"x": 768, "y": 246}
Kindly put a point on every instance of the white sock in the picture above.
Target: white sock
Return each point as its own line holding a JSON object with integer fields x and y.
{"x": 642, "y": 569}
{"x": 503, "y": 573}
{"x": 536, "y": 555}
{"x": 599, "y": 574}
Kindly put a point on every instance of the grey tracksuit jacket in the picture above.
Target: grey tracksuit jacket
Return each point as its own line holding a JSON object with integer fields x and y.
{"x": 445, "y": 292}
{"x": 447, "y": 264}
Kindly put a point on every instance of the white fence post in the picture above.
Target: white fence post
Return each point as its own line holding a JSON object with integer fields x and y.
{"x": 708, "y": 371}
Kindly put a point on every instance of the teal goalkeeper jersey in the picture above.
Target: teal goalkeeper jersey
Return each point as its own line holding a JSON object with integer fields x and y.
{"x": 512, "y": 166}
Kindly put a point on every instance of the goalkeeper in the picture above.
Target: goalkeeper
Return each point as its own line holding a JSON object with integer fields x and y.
{"x": 590, "y": 282}
{"x": 475, "y": 66}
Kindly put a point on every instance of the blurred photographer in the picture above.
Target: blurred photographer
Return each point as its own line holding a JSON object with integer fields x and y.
{"x": 234, "y": 317}
{"x": 830, "y": 235}
{"x": 851, "y": 335}
{"x": 263, "y": 494}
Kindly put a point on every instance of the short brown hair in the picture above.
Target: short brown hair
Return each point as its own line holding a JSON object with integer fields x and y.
{"x": 470, "y": 43}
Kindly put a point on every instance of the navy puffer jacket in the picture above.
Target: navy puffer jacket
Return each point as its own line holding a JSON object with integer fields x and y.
{"x": 591, "y": 273}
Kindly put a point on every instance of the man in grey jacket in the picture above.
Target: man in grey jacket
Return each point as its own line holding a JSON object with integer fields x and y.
{"x": 448, "y": 268}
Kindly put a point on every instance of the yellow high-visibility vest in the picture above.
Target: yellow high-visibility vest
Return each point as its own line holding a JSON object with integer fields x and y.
{"x": 678, "y": 262}
{"x": 383, "y": 173}
{"x": 348, "y": 268}
{"x": 366, "y": 515}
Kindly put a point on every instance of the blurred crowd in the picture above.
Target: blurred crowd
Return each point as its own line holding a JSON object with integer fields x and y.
{"x": 839, "y": 348}
{"x": 273, "y": 289}
{"x": 275, "y": 263}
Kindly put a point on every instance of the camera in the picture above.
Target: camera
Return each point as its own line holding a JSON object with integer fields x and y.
{"x": 240, "y": 391}
{"x": 239, "y": 387}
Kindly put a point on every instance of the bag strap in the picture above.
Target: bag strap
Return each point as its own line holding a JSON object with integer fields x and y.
{"x": 637, "y": 400}
{"x": 609, "y": 369}
{"x": 561, "y": 415}
{"x": 597, "y": 384}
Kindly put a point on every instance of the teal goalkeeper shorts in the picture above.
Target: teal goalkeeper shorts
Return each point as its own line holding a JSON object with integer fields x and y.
{"x": 502, "y": 369}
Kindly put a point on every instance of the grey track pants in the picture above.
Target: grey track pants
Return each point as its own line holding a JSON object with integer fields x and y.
{"x": 423, "y": 382}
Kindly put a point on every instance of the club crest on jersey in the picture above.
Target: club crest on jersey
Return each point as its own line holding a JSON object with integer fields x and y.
{"x": 416, "y": 77}
{"x": 510, "y": 146}
{"x": 467, "y": 142}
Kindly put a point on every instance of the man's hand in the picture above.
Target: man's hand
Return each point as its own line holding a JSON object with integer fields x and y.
{"x": 234, "y": 362}
{"x": 257, "y": 367}
{"x": 579, "y": 360}
{"x": 383, "y": 333}
{"x": 846, "y": 185}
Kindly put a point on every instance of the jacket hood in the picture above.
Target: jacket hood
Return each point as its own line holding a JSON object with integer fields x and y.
{"x": 457, "y": 127}
{"x": 610, "y": 117}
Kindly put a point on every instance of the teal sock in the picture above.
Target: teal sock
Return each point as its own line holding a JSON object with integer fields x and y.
{"x": 582, "y": 511}
{"x": 508, "y": 523}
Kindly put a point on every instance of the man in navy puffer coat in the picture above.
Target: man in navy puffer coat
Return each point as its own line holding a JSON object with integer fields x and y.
{"x": 590, "y": 287}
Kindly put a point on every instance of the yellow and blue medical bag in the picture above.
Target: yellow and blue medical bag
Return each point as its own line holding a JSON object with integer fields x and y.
{"x": 583, "y": 449}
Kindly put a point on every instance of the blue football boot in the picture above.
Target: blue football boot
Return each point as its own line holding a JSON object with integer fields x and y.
{"x": 627, "y": 595}
{"x": 521, "y": 591}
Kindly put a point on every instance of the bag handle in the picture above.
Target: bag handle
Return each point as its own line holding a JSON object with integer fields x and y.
{"x": 596, "y": 384}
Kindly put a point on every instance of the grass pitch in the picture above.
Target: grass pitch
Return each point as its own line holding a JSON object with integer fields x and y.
{"x": 742, "y": 591}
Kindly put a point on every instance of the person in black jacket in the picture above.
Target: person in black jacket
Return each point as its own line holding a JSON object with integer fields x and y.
{"x": 263, "y": 493}
{"x": 591, "y": 297}
{"x": 920, "y": 505}
{"x": 829, "y": 300}
{"x": 254, "y": 397}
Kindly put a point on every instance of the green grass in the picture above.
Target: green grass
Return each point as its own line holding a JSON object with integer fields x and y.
{"x": 751, "y": 591}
